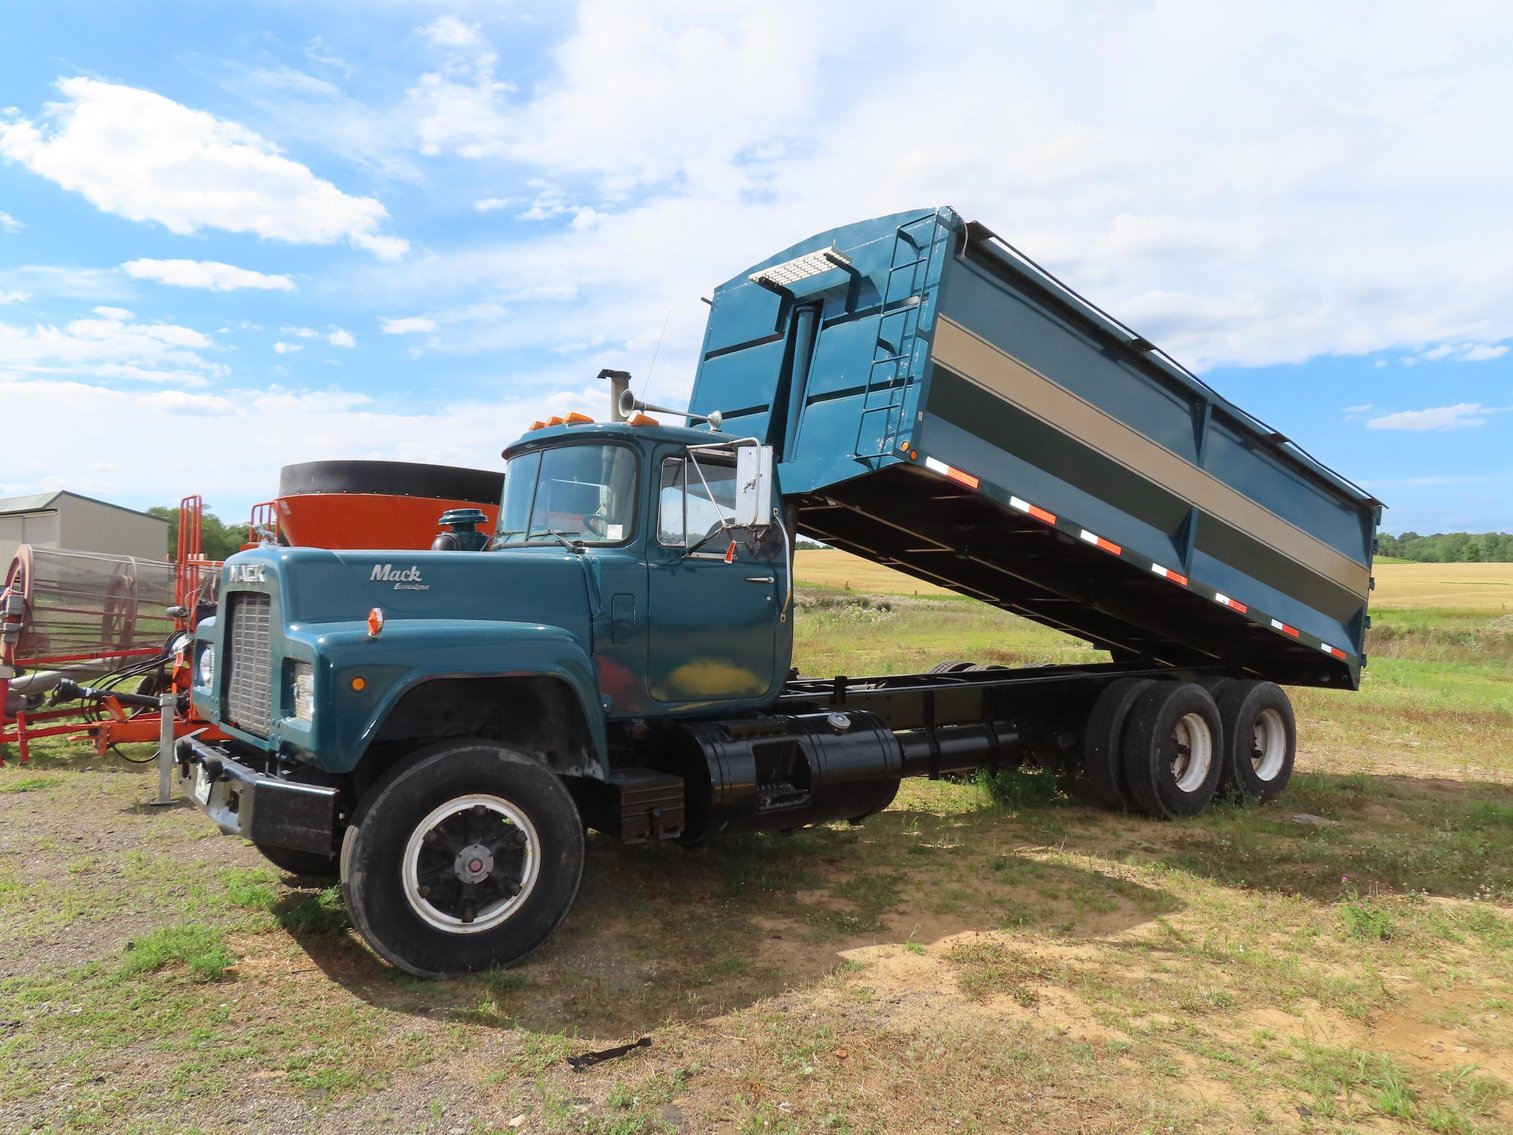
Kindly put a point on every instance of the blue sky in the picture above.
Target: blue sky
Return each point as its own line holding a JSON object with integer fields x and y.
{"x": 238, "y": 236}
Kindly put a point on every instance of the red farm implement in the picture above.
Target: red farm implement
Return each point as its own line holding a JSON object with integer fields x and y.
{"x": 98, "y": 646}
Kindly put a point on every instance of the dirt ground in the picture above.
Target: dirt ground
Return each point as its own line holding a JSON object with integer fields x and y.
{"x": 950, "y": 966}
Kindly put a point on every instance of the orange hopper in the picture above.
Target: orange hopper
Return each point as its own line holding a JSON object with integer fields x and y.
{"x": 378, "y": 504}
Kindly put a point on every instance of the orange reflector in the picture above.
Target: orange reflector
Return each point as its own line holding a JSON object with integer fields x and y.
{"x": 538, "y": 424}
{"x": 730, "y": 553}
{"x": 577, "y": 419}
{"x": 375, "y": 622}
{"x": 359, "y": 684}
{"x": 642, "y": 420}
{"x": 554, "y": 420}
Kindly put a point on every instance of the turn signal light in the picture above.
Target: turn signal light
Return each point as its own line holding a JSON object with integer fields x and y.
{"x": 375, "y": 622}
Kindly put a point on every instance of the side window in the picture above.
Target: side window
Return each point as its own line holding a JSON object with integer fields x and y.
{"x": 691, "y": 507}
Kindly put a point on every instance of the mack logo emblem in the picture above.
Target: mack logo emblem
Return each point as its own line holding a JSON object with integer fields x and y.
{"x": 403, "y": 579}
{"x": 247, "y": 573}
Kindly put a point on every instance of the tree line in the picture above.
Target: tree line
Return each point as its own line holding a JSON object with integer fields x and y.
{"x": 1449, "y": 547}
{"x": 217, "y": 539}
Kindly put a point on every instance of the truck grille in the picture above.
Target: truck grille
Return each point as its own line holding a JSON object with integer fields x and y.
{"x": 249, "y": 676}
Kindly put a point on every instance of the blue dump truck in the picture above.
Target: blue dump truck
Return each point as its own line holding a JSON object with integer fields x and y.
{"x": 438, "y": 729}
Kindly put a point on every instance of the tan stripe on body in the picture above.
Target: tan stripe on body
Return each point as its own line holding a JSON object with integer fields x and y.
{"x": 990, "y": 368}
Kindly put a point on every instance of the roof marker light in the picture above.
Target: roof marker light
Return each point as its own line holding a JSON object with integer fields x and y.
{"x": 555, "y": 420}
{"x": 577, "y": 419}
{"x": 538, "y": 424}
{"x": 642, "y": 420}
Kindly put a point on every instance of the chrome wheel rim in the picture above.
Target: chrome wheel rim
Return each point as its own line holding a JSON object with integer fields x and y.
{"x": 471, "y": 863}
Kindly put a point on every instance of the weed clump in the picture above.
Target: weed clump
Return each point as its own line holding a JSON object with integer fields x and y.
{"x": 1021, "y": 787}
{"x": 199, "y": 948}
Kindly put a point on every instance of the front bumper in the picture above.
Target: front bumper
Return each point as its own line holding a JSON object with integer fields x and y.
{"x": 265, "y": 809}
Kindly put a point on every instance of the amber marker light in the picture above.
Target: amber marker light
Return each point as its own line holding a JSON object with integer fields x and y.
{"x": 577, "y": 419}
{"x": 375, "y": 622}
{"x": 359, "y": 684}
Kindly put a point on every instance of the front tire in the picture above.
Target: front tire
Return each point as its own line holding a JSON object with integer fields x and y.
{"x": 464, "y": 858}
{"x": 1172, "y": 748}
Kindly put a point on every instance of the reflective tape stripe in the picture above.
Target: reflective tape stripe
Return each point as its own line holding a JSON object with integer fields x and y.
{"x": 953, "y": 473}
{"x": 1099, "y": 542}
{"x": 1277, "y": 624}
{"x": 1174, "y": 576}
{"x": 1232, "y": 604}
{"x": 1032, "y": 510}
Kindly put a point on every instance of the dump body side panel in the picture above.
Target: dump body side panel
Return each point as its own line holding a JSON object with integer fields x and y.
{"x": 942, "y": 406}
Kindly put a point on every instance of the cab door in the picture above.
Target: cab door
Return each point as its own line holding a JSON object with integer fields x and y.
{"x": 713, "y": 618}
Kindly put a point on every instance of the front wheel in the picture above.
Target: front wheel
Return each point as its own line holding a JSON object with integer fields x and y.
{"x": 464, "y": 858}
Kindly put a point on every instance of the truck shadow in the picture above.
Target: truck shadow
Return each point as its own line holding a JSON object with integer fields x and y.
{"x": 661, "y": 933}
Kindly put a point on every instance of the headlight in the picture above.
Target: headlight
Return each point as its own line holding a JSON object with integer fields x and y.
{"x": 204, "y": 669}
{"x": 302, "y": 689}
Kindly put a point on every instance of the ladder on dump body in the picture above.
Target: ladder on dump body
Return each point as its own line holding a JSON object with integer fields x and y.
{"x": 892, "y": 373}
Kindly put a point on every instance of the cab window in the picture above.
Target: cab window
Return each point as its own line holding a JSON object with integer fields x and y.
{"x": 582, "y": 493}
{"x": 691, "y": 508}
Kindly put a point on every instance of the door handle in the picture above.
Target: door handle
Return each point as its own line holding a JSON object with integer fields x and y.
{"x": 761, "y": 579}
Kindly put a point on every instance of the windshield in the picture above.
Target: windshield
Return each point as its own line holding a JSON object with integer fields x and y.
{"x": 582, "y": 493}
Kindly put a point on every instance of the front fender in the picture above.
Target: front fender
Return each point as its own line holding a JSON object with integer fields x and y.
{"x": 359, "y": 678}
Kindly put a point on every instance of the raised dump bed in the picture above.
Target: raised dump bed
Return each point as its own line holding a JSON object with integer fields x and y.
{"x": 941, "y": 405}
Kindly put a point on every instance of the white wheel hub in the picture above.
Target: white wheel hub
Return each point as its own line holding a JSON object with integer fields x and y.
{"x": 1193, "y": 752}
{"x": 1268, "y": 745}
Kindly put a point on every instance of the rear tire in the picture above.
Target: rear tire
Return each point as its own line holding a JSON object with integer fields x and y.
{"x": 1101, "y": 759}
{"x": 464, "y": 858}
{"x": 305, "y": 864}
{"x": 1260, "y": 739}
{"x": 1173, "y": 750}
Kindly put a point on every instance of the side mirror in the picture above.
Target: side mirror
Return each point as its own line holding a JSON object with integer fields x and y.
{"x": 753, "y": 478}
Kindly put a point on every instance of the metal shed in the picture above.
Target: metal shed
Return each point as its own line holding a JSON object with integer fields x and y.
{"x": 67, "y": 520}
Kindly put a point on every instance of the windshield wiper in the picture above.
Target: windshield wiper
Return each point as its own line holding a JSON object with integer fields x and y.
{"x": 560, "y": 537}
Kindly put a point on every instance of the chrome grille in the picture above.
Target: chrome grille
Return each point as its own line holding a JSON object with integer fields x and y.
{"x": 249, "y": 665}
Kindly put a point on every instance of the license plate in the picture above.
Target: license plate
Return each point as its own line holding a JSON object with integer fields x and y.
{"x": 202, "y": 783}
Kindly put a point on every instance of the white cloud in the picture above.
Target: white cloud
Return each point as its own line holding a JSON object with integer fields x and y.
{"x": 408, "y": 325}
{"x": 14, "y": 297}
{"x": 341, "y": 338}
{"x": 1482, "y": 352}
{"x": 1459, "y": 416}
{"x": 139, "y": 155}
{"x": 110, "y": 345}
{"x": 492, "y": 204}
{"x": 266, "y": 429}
{"x": 449, "y": 31}
{"x": 9, "y": 224}
{"x": 283, "y": 348}
{"x": 300, "y": 332}
{"x": 211, "y": 274}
